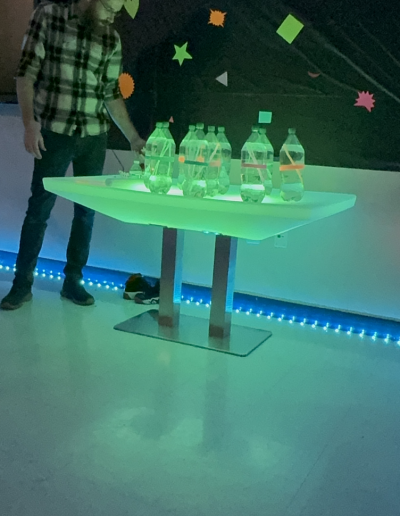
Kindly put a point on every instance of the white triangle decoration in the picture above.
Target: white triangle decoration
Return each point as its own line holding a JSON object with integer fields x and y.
{"x": 223, "y": 79}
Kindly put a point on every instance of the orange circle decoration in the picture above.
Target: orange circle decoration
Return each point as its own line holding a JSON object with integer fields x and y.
{"x": 126, "y": 85}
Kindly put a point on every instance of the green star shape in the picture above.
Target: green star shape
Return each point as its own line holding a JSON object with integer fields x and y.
{"x": 181, "y": 53}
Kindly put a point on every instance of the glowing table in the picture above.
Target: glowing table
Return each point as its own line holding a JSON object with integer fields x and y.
{"x": 127, "y": 200}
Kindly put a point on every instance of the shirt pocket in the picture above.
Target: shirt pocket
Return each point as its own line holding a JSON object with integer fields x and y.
{"x": 96, "y": 58}
{"x": 96, "y": 51}
{"x": 69, "y": 44}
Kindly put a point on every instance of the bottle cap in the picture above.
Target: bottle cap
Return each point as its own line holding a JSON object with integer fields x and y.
{"x": 292, "y": 131}
{"x": 255, "y": 128}
{"x": 263, "y": 130}
{"x": 211, "y": 128}
{"x": 159, "y": 124}
{"x": 165, "y": 124}
{"x": 192, "y": 127}
{"x": 200, "y": 126}
{"x": 221, "y": 129}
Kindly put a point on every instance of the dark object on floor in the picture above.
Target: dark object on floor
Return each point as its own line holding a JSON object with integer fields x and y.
{"x": 77, "y": 294}
{"x": 135, "y": 285}
{"x": 16, "y": 298}
{"x": 150, "y": 297}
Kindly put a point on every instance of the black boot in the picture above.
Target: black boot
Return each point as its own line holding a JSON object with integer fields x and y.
{"x": 74, "y": 291}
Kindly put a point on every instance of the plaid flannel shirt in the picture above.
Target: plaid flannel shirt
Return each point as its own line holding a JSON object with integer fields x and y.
{"x": 74, "y": 73}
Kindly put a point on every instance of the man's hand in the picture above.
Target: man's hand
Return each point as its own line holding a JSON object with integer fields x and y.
{"x": 137, "y": 144}
{"x": 33, "y": 139}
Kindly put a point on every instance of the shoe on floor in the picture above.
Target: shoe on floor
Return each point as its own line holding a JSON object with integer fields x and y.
{"x": 77, "y": 294}
{"x": 150, "y": 297}
{"x": 16, "y": 298}
{"x": 135, "y": 285}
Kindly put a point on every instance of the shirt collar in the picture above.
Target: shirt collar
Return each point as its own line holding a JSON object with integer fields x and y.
{"x": 73, "y": 13}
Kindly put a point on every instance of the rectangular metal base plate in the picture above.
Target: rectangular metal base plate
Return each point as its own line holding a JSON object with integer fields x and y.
{"x": 193, "y": 331}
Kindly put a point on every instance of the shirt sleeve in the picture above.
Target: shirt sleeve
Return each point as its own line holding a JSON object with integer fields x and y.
{"x": 33, "y": 46}
{"x": 112, "y": 74}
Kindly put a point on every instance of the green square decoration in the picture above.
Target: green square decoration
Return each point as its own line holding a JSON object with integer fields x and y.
{"x": 290, "y": 29}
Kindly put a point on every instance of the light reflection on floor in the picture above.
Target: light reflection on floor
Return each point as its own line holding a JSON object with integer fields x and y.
{"x": 99, "y": 422}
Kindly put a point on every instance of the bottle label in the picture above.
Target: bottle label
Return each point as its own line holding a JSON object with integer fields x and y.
{"x": 215, "y": 163}
{"x": 254, "y": 165}
{"x": 167, "y": 159}
{"x": 182, "y": 159}
{"x": 283, "y": 168}
{"x": 198, "y": 163}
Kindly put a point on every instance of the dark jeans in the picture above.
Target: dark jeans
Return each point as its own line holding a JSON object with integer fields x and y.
{"x": 88, "y": 157}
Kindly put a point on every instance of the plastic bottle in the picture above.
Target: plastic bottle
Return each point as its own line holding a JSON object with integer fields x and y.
{"x": 226, "y": 156}
{"x": 214, "y": 162}
{"x": 269, "y": 159}
{"x": 149, "y": 163}
{"x": 291, "y": 168}
{"x": 197, "y": 150}
{"x": 160, "y": 181}
{"x": 166, "y": 130}
{"x": 183, "y": 156}
{"x": 138, "y": 168}
{"x": 202, "y": 159}
{"x": 190, "y": 169}
{"x": 200, "y": 131}
{"x": 253, "y": 169}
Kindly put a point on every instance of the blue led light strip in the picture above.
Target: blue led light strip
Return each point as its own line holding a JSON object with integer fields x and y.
{"x": 110, "y": 285}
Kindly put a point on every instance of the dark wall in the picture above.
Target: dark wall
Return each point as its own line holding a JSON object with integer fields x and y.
{"x": 353, "y": 45}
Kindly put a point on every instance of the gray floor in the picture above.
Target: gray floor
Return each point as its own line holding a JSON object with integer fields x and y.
{"x": 99, "y": 422}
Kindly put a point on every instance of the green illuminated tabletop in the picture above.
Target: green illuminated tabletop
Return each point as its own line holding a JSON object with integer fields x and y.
{"x": 128, "y": 200}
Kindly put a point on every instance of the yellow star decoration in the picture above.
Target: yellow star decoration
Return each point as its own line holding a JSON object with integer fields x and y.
{"x": 181, "y": 53}
{"x": 217, "y": 18}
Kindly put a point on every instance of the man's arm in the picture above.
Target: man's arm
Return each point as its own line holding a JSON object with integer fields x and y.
{"x": 119, "y": 114}
{"x": 114, "y": 101}
{"x": 33, "y": 49}
{"x": 25, "y": 93}
{"x": 32, "y": 56}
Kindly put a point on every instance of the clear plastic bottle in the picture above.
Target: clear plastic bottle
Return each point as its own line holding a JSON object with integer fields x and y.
{"x": 149, "y": 163}
{"x": 197, "y": 150}
{"x": 160, "y": 181}
{"x": 201, "y": 158}
{"x": 214, "y": 162}
{"x": 253, "y": 169}
{"x": 190, "y": 169}
{"x": 138, "y": 168}
{"x": 166, "y": 130}
{"x": 269, "y": 161}
{"x": 201, "y": 135}
{"x": 291, "y": 167}
{"x": 183, "y": 156}
{"x": 226, "y": 156}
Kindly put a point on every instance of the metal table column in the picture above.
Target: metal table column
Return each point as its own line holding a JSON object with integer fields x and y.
{"x": 223, "y": 286}
{"x": 171, "y": 278}
{"x": 167, "y": 323}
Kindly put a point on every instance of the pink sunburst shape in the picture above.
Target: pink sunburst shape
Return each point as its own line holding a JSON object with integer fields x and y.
{"x": 365, "y": 99}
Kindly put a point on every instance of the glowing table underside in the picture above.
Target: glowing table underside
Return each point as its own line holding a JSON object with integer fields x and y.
{"x": 128, "y": 200}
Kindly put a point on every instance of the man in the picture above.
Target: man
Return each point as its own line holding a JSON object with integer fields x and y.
{"x": 67, "y": 80}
